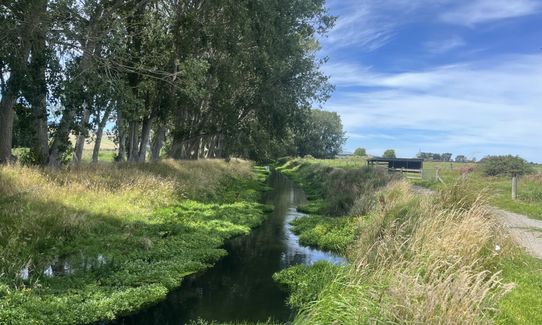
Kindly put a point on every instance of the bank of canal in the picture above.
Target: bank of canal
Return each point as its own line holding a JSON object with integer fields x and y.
{"x": 240, "y": 288}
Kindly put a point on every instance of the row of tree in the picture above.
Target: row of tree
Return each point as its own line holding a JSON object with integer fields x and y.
{"x": 446, "y": 157}
{"x": 194, "y": 78}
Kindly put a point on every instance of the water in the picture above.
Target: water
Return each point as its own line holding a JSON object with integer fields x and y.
{"x": 240, "y": 286}
{"x": 64, "y": 266}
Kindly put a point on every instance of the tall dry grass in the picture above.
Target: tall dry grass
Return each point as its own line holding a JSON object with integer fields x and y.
{"x": 419, "y": 260}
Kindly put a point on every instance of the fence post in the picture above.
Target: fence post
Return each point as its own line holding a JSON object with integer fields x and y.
{"x": 514, "y": 186}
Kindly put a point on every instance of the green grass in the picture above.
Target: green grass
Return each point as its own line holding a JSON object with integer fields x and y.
{"x": 399, "y": 249}
{"x": 523, "y": 304}
{"x": 327, "y": 233}
{"x": 305, "y": 283}
{"x": 498, "y": 189}
{"x": 130, "y": 233}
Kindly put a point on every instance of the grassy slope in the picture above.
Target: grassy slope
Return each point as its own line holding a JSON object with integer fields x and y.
{"x": 498, "y": 189}
{"x": 330, "y": 195}
{"x": 321, "y": 302}
{"x": 129, "y": 233}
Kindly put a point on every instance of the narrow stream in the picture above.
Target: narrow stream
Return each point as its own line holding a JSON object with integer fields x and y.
{"x": 240, "y": 286}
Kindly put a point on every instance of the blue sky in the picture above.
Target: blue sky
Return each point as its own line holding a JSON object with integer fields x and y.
{"x": 460, "y": 76}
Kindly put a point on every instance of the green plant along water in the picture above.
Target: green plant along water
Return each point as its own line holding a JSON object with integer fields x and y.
{"x": 240, "y": 287}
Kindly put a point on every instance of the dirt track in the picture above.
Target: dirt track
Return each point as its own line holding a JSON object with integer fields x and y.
{"x": 527, "y": 232}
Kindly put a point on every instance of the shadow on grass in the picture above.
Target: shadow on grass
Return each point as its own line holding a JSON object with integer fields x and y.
{"x": 83, "y": 266}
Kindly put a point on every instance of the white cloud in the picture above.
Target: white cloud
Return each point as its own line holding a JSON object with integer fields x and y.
{"x": 371, "y": 24}
{"x": 444, "y": 45}
{"x": 359, "y": 25}
{"x": 477, "y": 104}
{"x": 481, "y": 11}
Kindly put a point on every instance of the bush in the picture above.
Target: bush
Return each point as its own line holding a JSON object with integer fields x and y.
{"x": 505, "y": 166}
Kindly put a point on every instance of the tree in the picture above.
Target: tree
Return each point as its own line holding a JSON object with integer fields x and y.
{"x": 505, "y": 165}
{"x": 390, "y": 153}
{"x": 360, "y": 152}
{"x": 322, "y": 135}
{"x": 446, "y": 156}
{"x": 461, "y": 159}
{"x": 200, "y": 78}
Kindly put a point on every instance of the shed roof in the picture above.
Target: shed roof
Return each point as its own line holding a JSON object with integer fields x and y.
{"x": 379, "y": 159}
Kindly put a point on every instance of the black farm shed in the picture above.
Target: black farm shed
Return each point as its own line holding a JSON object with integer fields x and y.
{"x": 398, "y": 164}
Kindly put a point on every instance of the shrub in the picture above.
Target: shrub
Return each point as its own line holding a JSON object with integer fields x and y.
{"x": 505, "y": 166}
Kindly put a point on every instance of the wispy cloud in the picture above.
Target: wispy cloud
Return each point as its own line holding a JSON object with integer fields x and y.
{"x": 359, "y": 25}
{"x": 487, "y": 105}
{"x": 480, "y": 11}
{"x": 371, "y": 24}
{"x": 444, "y": 45}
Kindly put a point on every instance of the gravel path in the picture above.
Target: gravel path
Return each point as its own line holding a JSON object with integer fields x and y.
{"x": 527, "y": 232}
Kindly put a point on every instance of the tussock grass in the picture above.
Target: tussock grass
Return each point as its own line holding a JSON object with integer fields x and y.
{"x": 419, "y": 260}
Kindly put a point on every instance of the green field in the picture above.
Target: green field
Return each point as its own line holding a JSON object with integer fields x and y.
{"x": 497, "y": 189}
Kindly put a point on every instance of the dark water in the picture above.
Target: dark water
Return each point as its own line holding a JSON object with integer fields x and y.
{"x": 240, "y": 286}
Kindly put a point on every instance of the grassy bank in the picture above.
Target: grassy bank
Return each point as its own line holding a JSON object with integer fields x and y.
{"x": 420, "y": 260}
{"x": 498, "y": 189}
{"x": 335, "y": 196}
{"x": 91, "y": 243}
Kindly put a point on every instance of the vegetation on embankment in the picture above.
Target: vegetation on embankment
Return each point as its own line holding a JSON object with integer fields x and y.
{"x": 418, "y": 259}
{"x": 334, "y": 195}
{"x": 497, "y": 188}
{"x": 91, "y": 243}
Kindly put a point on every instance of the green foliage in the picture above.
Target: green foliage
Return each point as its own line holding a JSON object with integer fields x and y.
{"x": 327, "y": 233}
{"x": 505, "y": 165}
{"x": 447, "y": 156}
{"x": 305, "y": 283}
{"x": 22, "y": 127}
{"x": 130, "y": 233}
{"x": 339, "y": 188}
{"x": 390, "y": 153}
{"x": 461, "y": 159}
{"x": 321, "y": 135}
{"x": 360, "y": 152}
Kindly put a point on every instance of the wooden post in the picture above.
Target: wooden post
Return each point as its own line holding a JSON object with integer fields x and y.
{"x": 514, "y": 187}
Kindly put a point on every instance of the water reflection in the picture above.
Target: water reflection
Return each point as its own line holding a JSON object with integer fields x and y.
{"x": 64, "y": 266}
{"x": 240, "y": 286}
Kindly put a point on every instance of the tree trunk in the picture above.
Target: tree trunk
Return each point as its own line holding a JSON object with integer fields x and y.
{"x": 9, "y": 97}
{"x": 145, "y": 138}
{"x": 121, "y": 137}
{"x": 133, "y": 142}
{"x": 158, "y": 142}
{"x": 80, "y": 142}
{"x": 38, "y": 98}
{"x": 61, "y": 138}
{"x": 7, "y": 115}
{"x": 99, "y": 134}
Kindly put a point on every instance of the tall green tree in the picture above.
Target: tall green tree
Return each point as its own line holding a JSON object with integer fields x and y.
{"x": 390, "y": 153}
{"x": 322, "y": 135}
